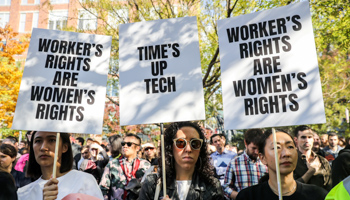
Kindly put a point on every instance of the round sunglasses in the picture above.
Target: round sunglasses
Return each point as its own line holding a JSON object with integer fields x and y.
{"x": 181, "y": 143}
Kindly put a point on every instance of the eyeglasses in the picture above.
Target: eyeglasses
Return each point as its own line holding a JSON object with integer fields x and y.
{"x": 181, "y": 143}
{"x": 149, "y": 148}
{"x": 128, "y": 143}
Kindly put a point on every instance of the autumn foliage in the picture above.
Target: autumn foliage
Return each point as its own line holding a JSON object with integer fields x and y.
{"x": 10, "y": 74}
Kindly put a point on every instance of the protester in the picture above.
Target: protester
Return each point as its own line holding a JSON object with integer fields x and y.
{"x": 341, "y": 191}
{"x": 246, "y": 169}
{"x": 40, "y": 166}
{"x": 7, "y": 186}
{"x": 316, "y": 147}
{"x": 85, "y": 155}
{"x": 288, "y": 158}
{"x": 189, "y": 174}
{"x": 115, "y": 146}
{"x": 332, "y": 150}
{"x": 7, "y": 159}
{"x": 324, "y": 140}
{"x": 342, "y": 142}
{"x": 150, "y": 153}
{"x": 311, "y": 168}
{"x": 341, "y": 166}
{"x": 89, "y": 141}
{"x": 124, "y": 170}
{"x": 222, "y": 156}
{"x": 80, "y": 141}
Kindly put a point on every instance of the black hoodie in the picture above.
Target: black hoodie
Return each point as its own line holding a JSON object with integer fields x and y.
{"x": 341, "y": 166}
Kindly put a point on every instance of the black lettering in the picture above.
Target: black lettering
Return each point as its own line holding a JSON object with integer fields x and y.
{"x": 44, "y": 44}
{"x": 63, "y": 47}
{"x": 248, "y": 106}
{"x": 55, "y": 46}
{"x": 40, "y": 111}
{"x": 80, "y": 110}
{"x": 176, "y": 52}
{"x": 243, "y": 49}
{"x": 147, "y": 81}
{"x": 86, "y": 67}
{"x": 36, "y": 93}
{"x": 233, "y": 34}
{"x": 140, "y": 52}
{"x": 300, "y": 76}
{"x": 287, "y": 46}
{"x": 49, "y": 61}
{"x": 298, "y": 25}
{"x": 91, "y": 95}
{"x": 239, "y": 87}
{"x": 295, "y": 106}
{"x": 99, "y": 50}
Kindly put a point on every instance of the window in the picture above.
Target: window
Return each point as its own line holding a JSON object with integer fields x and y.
{"x": 5, "y": 2}
{"x": 87, "y": 21}
{"x": 36, "y": 1}
{"x": 59, "y": 1}
{"x": 22, "y": 22}
{"x": 58, "y": 19}
{"x": 24, "y": 2}
{"x": 35, "y": 20}
{"x": 115, "y": 18}
{"x": 4, "y": 19}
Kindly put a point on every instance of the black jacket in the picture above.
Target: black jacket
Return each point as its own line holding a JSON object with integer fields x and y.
{"x": 341, "y": 166}
{"x": 199, "y": 190}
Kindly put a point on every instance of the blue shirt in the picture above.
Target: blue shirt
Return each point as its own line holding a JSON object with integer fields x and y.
{"x": 330, "y": 155}
{"x": 221, "y": 161}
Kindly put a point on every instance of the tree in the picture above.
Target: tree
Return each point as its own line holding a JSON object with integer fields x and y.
{"x": 10, "y": 73}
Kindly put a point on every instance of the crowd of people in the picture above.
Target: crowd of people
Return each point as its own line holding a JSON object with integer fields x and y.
{"x": 312, "y": 166}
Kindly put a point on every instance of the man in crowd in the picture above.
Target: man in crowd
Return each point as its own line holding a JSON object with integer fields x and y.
{"x": 317, "y": 145}
{"x": 246, "y": 169}
{"x": 80, "y": 141}
{"x": 119, "y": 172}
{"x": 332, "y": 150}
{"x": 324, "y": 140}
{"x": 222, "y": 157}
{"x": 311, "y": 168}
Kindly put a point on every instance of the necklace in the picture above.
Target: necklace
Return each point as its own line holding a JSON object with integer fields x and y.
{"x": 276, "y": 192}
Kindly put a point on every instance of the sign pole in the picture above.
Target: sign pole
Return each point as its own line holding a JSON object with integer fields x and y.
{"x": 56, "y": 155}
{"x": 20, "y": 137}
{"x": 277, "y": 165}
{"x": 163, "y": 157}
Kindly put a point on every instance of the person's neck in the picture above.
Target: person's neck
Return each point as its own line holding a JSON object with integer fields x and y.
{"x": 182, "y": 174}
{"x": 47, "y": 172}
{"x": 131, "y": 157}
{"x": 8, "y": 169}
{"x": 307, "y": 153}
{"x": 334, "y": 148}
{"x": 220, "y": 150}
{"x": 288, "y": 184}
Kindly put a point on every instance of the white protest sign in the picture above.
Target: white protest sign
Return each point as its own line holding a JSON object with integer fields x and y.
{"x": 269, "y": 69}
{"x": 160, "y": 72}
{"x": 64, "y": 81}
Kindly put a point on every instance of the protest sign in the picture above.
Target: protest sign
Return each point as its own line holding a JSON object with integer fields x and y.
{"x": 64, "y": 81}
{"x": 269, "y": 69}
{"x": 160, "y": 72}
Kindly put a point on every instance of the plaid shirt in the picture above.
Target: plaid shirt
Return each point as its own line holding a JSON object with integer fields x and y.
{"x": 242, "y": 172}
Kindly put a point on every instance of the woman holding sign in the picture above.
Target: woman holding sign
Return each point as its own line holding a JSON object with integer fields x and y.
{"x": 188, "y": 169}
{"x": 288, "y": 157}
{"x": 40, "y": 167}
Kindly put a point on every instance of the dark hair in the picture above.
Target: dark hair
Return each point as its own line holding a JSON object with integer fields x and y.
{"x": 332, "y": 135}
{"x": 266, "y": 135}
{"x": 204, "y": 169}
{"x": 89, "y": 139}
{"x": 253, "y": 136}
{"x": 8, "y": 150}
{"x": 135, "y": 136}
{"x": 214, "y": 135}
{"x": 301, "y": 128}
{"x": 81, "y": 140}
{"x": 34, "y": 170}
{"x": 10, "y": 139}
{"x": 116, "y": 146}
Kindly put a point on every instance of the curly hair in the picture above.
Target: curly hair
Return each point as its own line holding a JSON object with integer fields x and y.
{"x": 203, "y": 168}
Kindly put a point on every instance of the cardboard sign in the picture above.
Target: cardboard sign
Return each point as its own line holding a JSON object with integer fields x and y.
{"x": 160, "y": 72}
{"x": 64, "y": 81}
{"x": 269, "y": 69}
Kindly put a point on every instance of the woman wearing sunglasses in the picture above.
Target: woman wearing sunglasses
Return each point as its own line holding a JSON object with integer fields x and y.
{"x": 188, "y": 169}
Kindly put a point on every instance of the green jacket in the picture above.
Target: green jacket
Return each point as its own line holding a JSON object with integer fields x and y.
{"x": 340, "y": 191}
